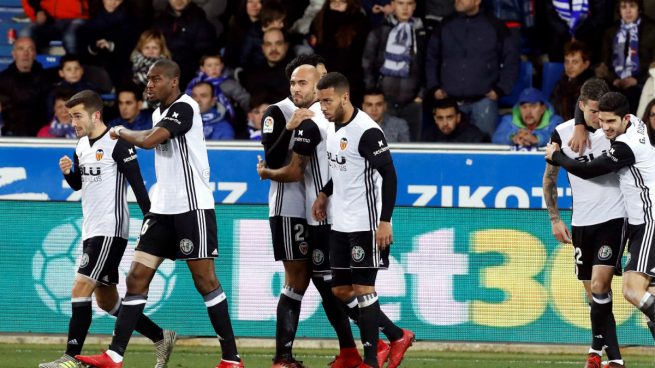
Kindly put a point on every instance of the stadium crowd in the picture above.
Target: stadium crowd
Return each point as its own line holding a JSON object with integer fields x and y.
{"x": 430, "y": 71}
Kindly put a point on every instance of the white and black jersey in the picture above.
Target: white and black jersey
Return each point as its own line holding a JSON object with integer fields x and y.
{"x": 284, "y": 199}
{"x": 181, "y": 163}
{"x": 356, "y": 151}
{"x": 310, "y": 139}
{"x": 596, "y": 200}
{"x": 102, "y": 168}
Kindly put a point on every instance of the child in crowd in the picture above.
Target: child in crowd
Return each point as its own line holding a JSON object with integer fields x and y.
{"x": 226, "y": 89}
{"x": 61, "y": 125}
{"x": 71, "y": 73}
{"x": 258, "y": 105}
{"x": 150, "y": 48}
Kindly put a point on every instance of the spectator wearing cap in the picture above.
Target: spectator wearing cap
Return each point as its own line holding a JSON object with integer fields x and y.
{"x": 531, "y": 122}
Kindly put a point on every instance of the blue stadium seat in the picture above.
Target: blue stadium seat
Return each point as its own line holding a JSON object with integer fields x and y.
{"x": 551, "y": 74}
{"x": 48, "y": 61}
{"x": 4, "y": 62}
{"x": 523, "y": 81}
{"x": 12, "y": 3}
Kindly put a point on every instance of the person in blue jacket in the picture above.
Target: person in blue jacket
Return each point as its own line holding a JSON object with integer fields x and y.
{"x": 214, "y": 115}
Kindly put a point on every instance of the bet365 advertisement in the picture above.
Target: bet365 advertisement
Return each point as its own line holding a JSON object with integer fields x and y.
{"x": 456, "y": 274}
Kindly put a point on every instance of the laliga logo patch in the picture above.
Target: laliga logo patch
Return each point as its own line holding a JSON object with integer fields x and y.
{"x": 317, "y": 257}
{"x": 605, "y": 253}
{"x": 99, "y": 154}
{"x": 267, "y": 127}
{"x": 303, "y": 248}
{"x": 84, "y": 260}
{"x": 343, "y": 143}
{"x": 186, "y": 246}
{"x": 357, "y": 253}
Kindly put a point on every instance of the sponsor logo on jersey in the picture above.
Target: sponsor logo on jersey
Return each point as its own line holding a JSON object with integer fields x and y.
{"x": 267, "y": 127}
{"x": 357, "y": 253}
{"x": 84, "y": 260}
{"x": 610, "y": 154}
{"x": 304, "y": 248}
{"x": 605, "y": 253}
{"x": 186, "y": 246}
{"x": 343, "y": 143}
{"x": 317, "y": 257}
{"x": 99, "y": 154}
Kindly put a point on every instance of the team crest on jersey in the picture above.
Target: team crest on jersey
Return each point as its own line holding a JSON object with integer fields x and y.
{"x": 84, "y": 261}
{"x": 317, "y": 257}
{"x": 605, "y": 253}
{"x": 99, "y": 154}
{"x": 267, "y": 127}
{"x": 186, "y": 246}
{"x": 357, "y": 253}
{"x": 304, "y": 248}
{"x": 343, "y": 143}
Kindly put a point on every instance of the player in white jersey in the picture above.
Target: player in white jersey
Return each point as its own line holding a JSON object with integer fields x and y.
{"x": 597, "y": 224}
{"x": 181, "y": 223}
{"x": 633, "y": 158}
{"x": 309, "y": 150}
{"x": 100, "y": 168}
{"x": 363, "y": 193}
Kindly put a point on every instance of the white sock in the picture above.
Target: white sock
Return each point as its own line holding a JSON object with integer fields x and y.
{"x": 115, "y": 357}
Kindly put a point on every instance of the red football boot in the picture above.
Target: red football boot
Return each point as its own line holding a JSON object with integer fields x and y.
{"x": 364, "y": 365}
{"x": 287, "y": 363}
{"x": 347, "y": 358}
{"x": 230, "y": 364}
{"x": 99, "y": 361}
{"x": 399, "y": 347}
{"x": 593, "y": 361}
{"x": 383, "y": 352}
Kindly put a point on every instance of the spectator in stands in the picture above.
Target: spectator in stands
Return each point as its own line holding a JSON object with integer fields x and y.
{"x": 132, "y": 115}
{"x": 188, "y": 33}
{"x": 271, "y": 77}
{"x": 214, "y": 9}
{"x": 258, "y": 104}
{"x": 71, "y": 73}
{"x": 302, "y": 24}
{"x": 24, "y": 90}
{"x": 518, "y": 16}
{"x": 648, "y": 92}
{"x": 436, "y": 11}
{"x": 107, "y": 39}
{"x": 338, "y": 33}
{"x": 377, "y": 11}
{"x": 395, "y": 129}
{"x": 629, "y": 49}
{"x": 577, "y": 69}
{"x": 471, "y": 58}
{"x": 449, "y": 125}
{"x": 393, "y": 60}
{"x": 150, "y": 48}
{"x": 530, "y": 124}
{"x": 564, "y": 21}
{"x": 214, "y": 121}
{"x": 649, "y": 118}
{"x": 61, "y": 125}
{"x": 55, "y": 20}
{"x": 244, "y": 46}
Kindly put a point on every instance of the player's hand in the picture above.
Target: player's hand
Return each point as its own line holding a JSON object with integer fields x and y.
{"x": 492, "y": 95}
{"x": 551, "y": 148}
{"x": 384, "y": 235}
{"x": 114, "y": 131}
{"x": 561, "y": 231}
{"x": 580, "y": 139}
{"x": 319, "y": 208}
{"x": 298, "y": 117}
{"x": 261, "y": 168}
{"x": 65, "y": 165}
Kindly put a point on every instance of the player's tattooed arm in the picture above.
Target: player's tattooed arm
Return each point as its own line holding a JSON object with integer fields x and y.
{"x": 292, "y": 172}
{"x": 559, "y": 229}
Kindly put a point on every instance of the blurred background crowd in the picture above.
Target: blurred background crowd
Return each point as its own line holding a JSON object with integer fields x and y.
{"x": 469, "y": 71}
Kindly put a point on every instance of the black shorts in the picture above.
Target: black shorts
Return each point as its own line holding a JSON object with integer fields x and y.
{"x": 289, "y": 235}
{"x": 356, "y": 250}
{"x": 641, "y": 251}
{"x": 100, "y": 258}
{"x": 596, "y": 245}
{"x": 319, "y": 244}
{"x": 186, "y": 236}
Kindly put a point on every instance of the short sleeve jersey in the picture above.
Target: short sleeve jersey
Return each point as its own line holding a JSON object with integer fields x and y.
{"x": 355, "y": 150}
{"x": 181, "y": 163}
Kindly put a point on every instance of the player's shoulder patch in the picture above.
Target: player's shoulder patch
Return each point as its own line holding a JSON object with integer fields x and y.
{"x": 267, "y": 125}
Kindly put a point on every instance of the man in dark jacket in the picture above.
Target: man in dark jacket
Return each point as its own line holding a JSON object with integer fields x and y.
{"x": 448, "y": 126}
{"x": 270, "y": 78}
{"x": 577, "y": 69}
{"x": 23, "y": 90}
{"x": 393, "y": 61}
{"x": 471, "y": 59}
